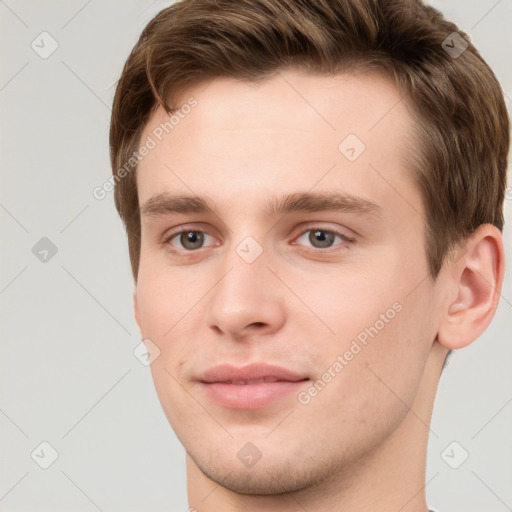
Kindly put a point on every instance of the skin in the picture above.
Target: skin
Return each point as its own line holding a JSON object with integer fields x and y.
{"x": 360, "y": 443}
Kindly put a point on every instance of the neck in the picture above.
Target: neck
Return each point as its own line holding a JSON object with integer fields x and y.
{"x": 390, "y": 477}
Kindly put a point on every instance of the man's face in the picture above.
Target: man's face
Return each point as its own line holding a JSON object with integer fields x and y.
{"x": 340, "y": 298}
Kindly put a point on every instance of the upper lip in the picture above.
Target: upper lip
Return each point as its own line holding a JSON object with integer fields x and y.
{"x": 257, "y": 372}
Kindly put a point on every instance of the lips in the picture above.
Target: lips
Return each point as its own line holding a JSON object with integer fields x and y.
{"x": 249, "y": 387}
{"x": 252, "y": 373}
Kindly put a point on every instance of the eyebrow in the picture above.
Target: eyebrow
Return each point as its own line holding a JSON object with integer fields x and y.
{"x": 167, "y": 204}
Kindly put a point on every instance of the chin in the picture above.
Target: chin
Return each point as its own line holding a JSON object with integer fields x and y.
{"x": 270, "y": 477}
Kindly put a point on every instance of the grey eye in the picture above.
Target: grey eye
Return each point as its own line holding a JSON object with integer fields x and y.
{"x": 321, "y": 239}
{"x": 191, "y": 240}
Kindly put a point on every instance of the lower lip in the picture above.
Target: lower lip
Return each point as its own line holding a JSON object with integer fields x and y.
{"x": 250, "y": 396}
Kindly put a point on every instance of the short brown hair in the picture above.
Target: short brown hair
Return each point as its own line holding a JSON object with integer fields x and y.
{"x": 462, "y": 127}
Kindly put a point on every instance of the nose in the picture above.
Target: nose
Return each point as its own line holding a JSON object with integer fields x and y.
{"x": 247, "y": 300}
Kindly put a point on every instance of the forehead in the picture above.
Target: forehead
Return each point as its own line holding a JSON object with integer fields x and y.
{"x": 286, "y": 133}
{"x": 358, "y": 100}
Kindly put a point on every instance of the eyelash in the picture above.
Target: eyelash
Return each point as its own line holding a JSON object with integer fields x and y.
{"x": 317, "y": 250}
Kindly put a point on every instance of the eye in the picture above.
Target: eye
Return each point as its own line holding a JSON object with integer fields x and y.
{"x": 190, "y": 240}
{"x": 321, "y": 238}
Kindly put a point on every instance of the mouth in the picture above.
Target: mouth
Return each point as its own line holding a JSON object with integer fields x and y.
{"x": 254, "y": 386}
{"x": 253, "y": 381}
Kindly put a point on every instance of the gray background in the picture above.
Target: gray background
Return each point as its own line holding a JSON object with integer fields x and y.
{"x": 68, "y": 375}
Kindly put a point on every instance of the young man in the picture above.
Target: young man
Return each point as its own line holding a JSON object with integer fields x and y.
{"x": 313, "y": 198}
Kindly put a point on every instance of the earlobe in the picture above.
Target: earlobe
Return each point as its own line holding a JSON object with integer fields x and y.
{"x": 475, "y": 282}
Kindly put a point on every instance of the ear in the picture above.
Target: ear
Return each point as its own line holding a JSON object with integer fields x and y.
{"x": 474, "y": 286}
{"x": 136, "y": 311}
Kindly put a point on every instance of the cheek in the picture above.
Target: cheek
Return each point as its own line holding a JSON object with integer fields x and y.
{"x": 397, "y": 350}
{"x": 383, "y": 331}
{"x": 165, "y": 298}
{"x": 350, "y": 306}
{"x": 379, "y": 379}
{"x": 166, "y": 312}
{"x": 163, "y": 314}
